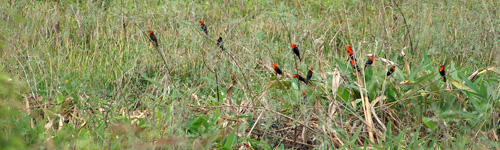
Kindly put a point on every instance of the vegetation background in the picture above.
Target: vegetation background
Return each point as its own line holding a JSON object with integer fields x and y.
{"x": 84, "y": 75}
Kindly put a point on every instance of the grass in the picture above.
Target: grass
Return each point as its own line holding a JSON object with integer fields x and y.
{"x": 83, "y": 75}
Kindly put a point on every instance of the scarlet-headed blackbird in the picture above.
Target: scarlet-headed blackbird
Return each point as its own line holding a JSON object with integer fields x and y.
{"x": 442, "y": 72}
{"x": 153, "y": 38}
{"x": 277, "y": 69}
{"x": 354, "y": 65}
{"x": 305, "y": 94}
{"x": 296, "y": 51}
{"x": 309, "y": 75}
{"x": 300, "y": 78}
{"x": 391, "y": 70}
{"x": 220, "y": 43}
{"x": 369, "y": 62}
{"x": 351, "y": 53}
{"x": 204, "y": 27}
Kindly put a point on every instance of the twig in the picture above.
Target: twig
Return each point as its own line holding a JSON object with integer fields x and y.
{"x": 251, "y": 129}
{"x": 217, "y": 83}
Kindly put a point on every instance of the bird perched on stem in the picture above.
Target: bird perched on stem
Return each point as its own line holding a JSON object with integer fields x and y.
{"x": 354, "y": 65}
{"x": 277, "y": 69}
{"x": 204, "y": 27}
{"x": 351, "y": 53}
{"x": 391, "y": 70}
{"x": 296, "y": 51}
{"x": 300, "y": 78}
{"x": 309, "y": 75}
{"x": 220, "y": 43}
{"x": 369, "y": 61}
{"x": 153, "y": 38}
{"x": 443, "y": 73}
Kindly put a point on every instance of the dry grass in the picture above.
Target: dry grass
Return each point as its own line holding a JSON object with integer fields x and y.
{"x": 96, "y": 81}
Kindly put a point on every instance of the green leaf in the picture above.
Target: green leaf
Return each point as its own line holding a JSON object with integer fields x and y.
{"x": 476, "y": 102}
{"x": 352, "y": 86}
{"x": 355, "y": 136}
{"x": 230, "y": 140}
{"x": 483, "y": 91}
{"x": 414, "y": 140}
{"x": 59, "y": 98}
{"x": 399, "y": 139}
{"x": 158, "y": 84}
{"x": 388, "y": 132}
{"x": 282, "y": 147}
{"x": 342, "y": 66}
{"x": 368, "y": 73}
{"x": 196, "y": 124}
{"x": 468, "y": 82}
{"x": 429, "y": 123}
{"x": 352, "y": 141}
{"x": 461, "y": 86}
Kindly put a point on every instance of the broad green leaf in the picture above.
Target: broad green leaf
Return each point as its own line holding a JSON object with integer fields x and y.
{"x": 429, "y": 123}
{"x": 483, "y": 91}
{"x": 196, "y": 124}
{"x": 352, "y": 86}
{"x": 230, "y": 140}
{"x": 388, "y": 132}
{"x": 414, "y": 139}
{"x": 468, "y": 82}
{"x": 461, "y": 86}
{"x": 59, "y": 98}
{"x": 342, "y": 65}
{"x": 355, "y": 136}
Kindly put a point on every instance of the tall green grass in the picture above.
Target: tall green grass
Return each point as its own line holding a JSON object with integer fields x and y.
{"x": 83, "y": 74}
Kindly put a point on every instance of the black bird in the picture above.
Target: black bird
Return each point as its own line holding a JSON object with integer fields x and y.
{"x": 351, "y": 53}
{"x": 300, "y": 78}
{"x": 204, "y": 27}
{"x": 277, "y": 69}
{"x": 220, "y": 43}
{"x": 443, "y": 73}
{"x": 153, "y": 38}
{"x": 309, "y": 75}
{"x": 369, "y": 62}
{"x": 354, "y": 65}
{"x": 296, "y": 51}
{"x": 391, "y": 70}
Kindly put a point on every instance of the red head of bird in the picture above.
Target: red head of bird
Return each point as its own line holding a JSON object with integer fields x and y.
{"x": 371, "y": 58}
{"x": 293, "y": 45}
{"x": 150, "y": 31}
{"x": 349, "y": 49}
{"x": 303, "y": 91}
{"x": 393, "y": 68}
{"x": 295, "y": 76}
{"x": 352, "y": 62}
{"x": 311, "y": 68}
{"x": 442, "y": 68}
{"x": 201, "y": 22}
{"x": 274, "y": 65}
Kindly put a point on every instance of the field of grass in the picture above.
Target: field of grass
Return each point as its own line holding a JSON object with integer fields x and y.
{"x": 84, "y": 74}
